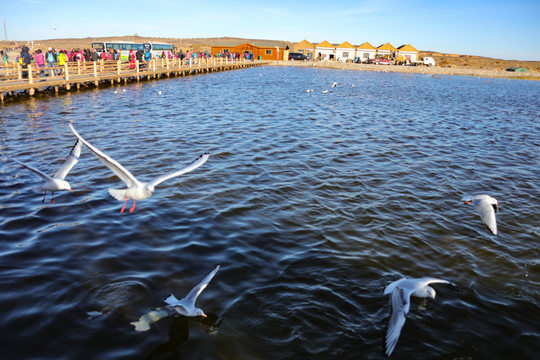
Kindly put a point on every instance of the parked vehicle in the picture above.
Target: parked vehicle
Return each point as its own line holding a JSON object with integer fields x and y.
{"x": 428, "y": 61}
{"x": 297, "y": 56}
{"x": 383, "y": 61}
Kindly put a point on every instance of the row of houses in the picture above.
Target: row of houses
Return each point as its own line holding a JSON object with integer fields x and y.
{"x": 276, "y": 50}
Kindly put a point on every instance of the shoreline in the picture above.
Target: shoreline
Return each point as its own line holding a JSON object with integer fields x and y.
{"x": 421, "y": 69}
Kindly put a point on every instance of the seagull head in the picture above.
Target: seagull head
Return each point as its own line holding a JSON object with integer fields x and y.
{"x": 199, "y": 312}
{"x": 63, "y": 185}
{"x": 149, "y": 189}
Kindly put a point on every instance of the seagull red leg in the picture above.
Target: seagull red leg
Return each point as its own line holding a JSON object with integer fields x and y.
{"x": 124, "y": 207}
{"x": 52, "y": 197}
{"x": 44, "y": 196}
{"x": 132, "y": 207}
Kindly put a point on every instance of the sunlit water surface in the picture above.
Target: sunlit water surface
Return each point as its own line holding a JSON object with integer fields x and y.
{"x": 311, "y": 203}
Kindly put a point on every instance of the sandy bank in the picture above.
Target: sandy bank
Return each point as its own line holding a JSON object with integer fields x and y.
{"x": 435, "y": 70}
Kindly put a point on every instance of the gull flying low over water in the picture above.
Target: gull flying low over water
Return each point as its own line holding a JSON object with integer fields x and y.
{"x": 486, "y": 207}
{"x": 334, "y": 84}
{"x": 400, "y": 296}
{"x": 185, "y": 307}
{"x": 136, "y": 190}
{"x": 57, "y": 182}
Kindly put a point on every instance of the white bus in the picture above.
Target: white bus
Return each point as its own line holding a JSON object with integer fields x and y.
{"x": 120, "y": 46}
{"x": 158, "y": 48}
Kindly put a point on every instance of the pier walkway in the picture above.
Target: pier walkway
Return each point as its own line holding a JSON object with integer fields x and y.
{"x": 74, "y": 75}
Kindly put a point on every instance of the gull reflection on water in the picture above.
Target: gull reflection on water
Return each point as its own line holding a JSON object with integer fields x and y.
{"x": 179, "y": 334}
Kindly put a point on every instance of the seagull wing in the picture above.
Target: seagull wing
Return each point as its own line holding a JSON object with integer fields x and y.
{"x": 41, "y": 174}
{"x": 487, "y": 214}
{"x": 445, "y": 283}
{"x": 71, "y": 160}
{"x": 196, "y": 291}
{"x": 112, "y": 164}
{"x": 399, "y": 307}
{"x": 195, "y": 164}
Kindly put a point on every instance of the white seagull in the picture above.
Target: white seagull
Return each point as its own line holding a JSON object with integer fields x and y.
{"x": 186, "y": 306}
{"x": 334, "y": 84}
{"x": 401, "y": 291}
{"x": 57, "y": 182}
{"x": 486, "y": 207}
{"x": 136, "y": 190}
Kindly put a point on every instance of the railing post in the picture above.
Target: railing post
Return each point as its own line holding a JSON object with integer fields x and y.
{"x": 79, "y": 63}
{"x": 66, "y": 70}
{"x": 19, "y": 72}
{"x": 95, "y": 69}
{"x": 30, "y": 75}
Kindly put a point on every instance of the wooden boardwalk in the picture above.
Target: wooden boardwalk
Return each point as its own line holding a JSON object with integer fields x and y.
{"x": 74, "y": 75}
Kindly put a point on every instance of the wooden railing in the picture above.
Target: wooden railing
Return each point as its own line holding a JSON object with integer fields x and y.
{"x": 15, "y": 71}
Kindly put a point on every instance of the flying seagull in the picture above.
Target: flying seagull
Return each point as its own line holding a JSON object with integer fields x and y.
{"x": 486, "y": 207}
{"x": 136, "y": 190}
{"x": 400, "y": 296}
{"x": 57, "y": 182}
{"x": 186, "y": 306}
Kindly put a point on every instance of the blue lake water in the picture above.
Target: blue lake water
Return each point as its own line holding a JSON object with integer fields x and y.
{"x": 311, "y": 203}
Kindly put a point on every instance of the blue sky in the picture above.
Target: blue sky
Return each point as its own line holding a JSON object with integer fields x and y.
{"x": 496, "y": 28}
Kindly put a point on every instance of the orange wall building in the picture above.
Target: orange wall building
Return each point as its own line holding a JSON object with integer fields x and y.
{"x": 263, "y": 50}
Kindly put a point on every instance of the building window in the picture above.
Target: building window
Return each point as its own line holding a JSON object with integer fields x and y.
{"x": 346, "y": 54}
{"x": 268, "y": 52}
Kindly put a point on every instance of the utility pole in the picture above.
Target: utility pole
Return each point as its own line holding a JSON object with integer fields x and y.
{"x": 5, "y": 30}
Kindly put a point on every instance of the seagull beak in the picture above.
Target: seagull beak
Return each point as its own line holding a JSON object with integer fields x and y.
{"x": 70, "y": 189}
{"x": 467, "y": 202}
{"x": 204, "y": 315}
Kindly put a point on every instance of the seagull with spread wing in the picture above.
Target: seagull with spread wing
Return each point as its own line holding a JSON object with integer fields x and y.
{"x": 136, "y": 190}
{"x": 400, "y": 300}
{"x": 185, "y": 306}
{"x": 486, "y": 207}
{"x": 57, "y": 182}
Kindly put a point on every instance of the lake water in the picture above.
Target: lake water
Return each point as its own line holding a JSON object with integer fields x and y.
{"x": 311, "y": 203}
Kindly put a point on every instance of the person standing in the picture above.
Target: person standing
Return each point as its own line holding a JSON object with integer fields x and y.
{"x": 62, "y": 60}
{"x": 131, "y": 57}
{"x": 26, "y": 59}
{"x": 147, "y": 57}
{"x": 39, "y": 59}
{"x": 51, "y": 60}
{"x": 139, "y": 56}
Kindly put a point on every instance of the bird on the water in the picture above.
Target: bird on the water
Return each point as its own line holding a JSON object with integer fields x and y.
{"x": 136, "y": 190}
{"x": 400, "y": 300}
{"x": 56, "y": 182}
{"x": 486, "y": 207}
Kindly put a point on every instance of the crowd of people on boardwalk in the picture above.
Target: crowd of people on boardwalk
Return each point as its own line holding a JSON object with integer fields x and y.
{"x": 52, "y": 61}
